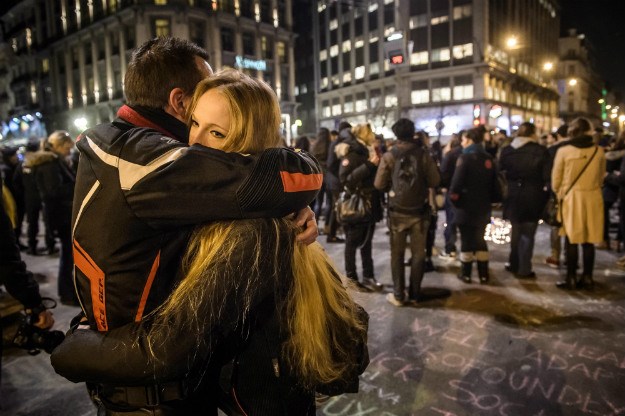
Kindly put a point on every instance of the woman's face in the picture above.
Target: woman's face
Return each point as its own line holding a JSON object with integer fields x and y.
{"x": 210, "y": 122}
{"x": 63, "y": 148}
{"x": 465, "y": 141}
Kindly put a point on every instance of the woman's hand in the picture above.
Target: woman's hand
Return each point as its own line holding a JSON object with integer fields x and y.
{"x": 306, "y": 218}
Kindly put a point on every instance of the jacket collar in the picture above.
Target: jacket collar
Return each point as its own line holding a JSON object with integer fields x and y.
{"x": 582, "y": 142}
{"x": 474, "y": 148}
{"x": 156, "y": 119}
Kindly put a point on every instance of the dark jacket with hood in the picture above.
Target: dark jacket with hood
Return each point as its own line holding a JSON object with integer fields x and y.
{"x": 474, "y": 186}
{"x": 527, "y": 169}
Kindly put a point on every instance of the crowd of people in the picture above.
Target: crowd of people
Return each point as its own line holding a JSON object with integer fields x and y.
{"x": 475, "y": 172}
{"x": 187, "y": 234}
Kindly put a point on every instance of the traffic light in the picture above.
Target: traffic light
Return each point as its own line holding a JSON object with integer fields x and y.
{"x": 397, "y": 50}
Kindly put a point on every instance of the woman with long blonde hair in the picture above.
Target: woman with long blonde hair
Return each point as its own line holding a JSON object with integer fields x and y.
{"x": 250, "y": 293}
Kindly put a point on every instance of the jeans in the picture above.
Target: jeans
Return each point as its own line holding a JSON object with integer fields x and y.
{"x": 358, "y": 236}
{"x": 522, "y": 247}
{"x": 451, "y": 230}
{"x": 401, "y": 228}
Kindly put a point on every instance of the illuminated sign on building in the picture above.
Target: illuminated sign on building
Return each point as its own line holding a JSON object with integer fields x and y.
{"x": 246, "y": 63}
{"x": 495, "y": 111}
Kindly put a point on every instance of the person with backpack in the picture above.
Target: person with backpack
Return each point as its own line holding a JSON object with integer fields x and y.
{"x": 407, "y": 172}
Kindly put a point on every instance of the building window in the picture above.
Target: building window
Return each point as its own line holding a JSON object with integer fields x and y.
{"x": 420, "y": 96}
{"x": 227, "y": 39}
{"x": 196, "y": 32}
{"x": 440, "y": 55}
{"x": 336, "y": 109}
{"x": 374, "y": 98}
{"x": 326, "y": 110}
{"x": 45, "y": 65}
{"x": 281, "y": 52}
{"x": 419, "y": 58}
{"x": 334, "y": 50}
{"x": 463, "y": 51}
{"x": 390, "y": 100}
{"x": 161, "y": 27}
{"x": 347, "y": 77}
{"x": 324, "y": 82}
{"x": 347, "y": 46}
{"x": 418, "y": 21}
{"x": 303, "y": 89}
{"x": 348, "y": 106}
{"x": 460, "y": 12}
{"x": 160, "y": 2}
{"x": 335, "y": 80}
{"x": 323, "y": 55}
{"x": 361, "y": 102}
{"x": 359, "y": 72}
{"x": 571, "y": 70}
{"x": 266, "y": 47}
{"x": 463, "y": 92}
{"x": 441, "y": 90}
{"x": 334, "y": 24}
{"x": 248, "y": 44}
{"x": 440, "y": 19}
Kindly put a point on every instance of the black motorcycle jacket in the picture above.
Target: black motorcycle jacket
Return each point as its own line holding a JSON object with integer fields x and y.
{"x": 140, "y": 190}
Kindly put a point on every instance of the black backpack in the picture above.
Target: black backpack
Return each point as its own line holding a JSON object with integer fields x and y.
{"x": 408, "y": 194}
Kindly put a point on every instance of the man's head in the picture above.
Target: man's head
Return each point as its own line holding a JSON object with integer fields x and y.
{"x": 404, "y": 129}
{"x": 163, "y": 73}
{"x": 562, "y": 132}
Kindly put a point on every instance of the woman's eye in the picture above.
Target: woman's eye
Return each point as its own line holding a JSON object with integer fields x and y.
{"x": 194, "y": 123}
{"x": 217, "y": 134}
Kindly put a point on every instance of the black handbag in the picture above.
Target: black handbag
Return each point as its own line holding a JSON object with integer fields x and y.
{"x": 550, "y": 215}
{"x": 352, "y": 207}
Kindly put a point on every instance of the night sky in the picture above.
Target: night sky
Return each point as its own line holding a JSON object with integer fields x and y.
{"x": 603, "y": 23}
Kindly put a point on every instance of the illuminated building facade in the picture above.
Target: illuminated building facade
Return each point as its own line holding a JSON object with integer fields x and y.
{"x": 68, "y": 57}
{"x": 445, "y": 64}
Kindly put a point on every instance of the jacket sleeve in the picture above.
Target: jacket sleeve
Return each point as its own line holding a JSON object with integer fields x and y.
{"x": 122, "y": 356}
{"x": 50, "y": 184}
{"x": 382, "y": 180}
{"x": 432, "y": 174}
{"x": 447, "y": 169}
{"x": 457, "y": 182}
{"x": 619, "y": 179}
{"x": 199, "y": 184}
{"x": 557, "y": 173}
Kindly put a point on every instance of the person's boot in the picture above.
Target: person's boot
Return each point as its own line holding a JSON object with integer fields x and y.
{"x": 567, "y": 284}
{"x": 465, "y": 271}
{"x": 585, "y": 282}
{"x": 373, "y": 284}
{"x": 482, "y": 272}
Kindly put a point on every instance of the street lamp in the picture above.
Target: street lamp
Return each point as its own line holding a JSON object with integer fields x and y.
{"x": 548, "y": 66}
{"x": 512, "y": 42}
{"x": 573, "y": 82}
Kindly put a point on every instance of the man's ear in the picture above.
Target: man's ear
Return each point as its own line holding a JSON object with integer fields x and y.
{"x": 175, "y": 105}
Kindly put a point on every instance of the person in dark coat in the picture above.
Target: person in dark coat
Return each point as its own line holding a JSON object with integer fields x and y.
{"x": 527, "y": 168}
{"x": 331, "y": 178}
{"x": 448, "y": 167}
{"x": 24, "y": 179}
{"x": 473, "y": 189}
{"x": 55, "y": 181}
{"x": 319, "y": 149}
{"x": 358, "y": 168}
{"x": 613, "y": 156}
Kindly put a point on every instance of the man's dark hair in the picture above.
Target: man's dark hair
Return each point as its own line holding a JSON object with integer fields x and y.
{"x": 344, "y": 125}
{"x": 476, "y": 134}
{"x": 563, "y": 130}
{"x": 579, "y": 127}
{"x": 160, "y": 65}
{"x": 526, "y": 129}
{"x": 403, "y": 129}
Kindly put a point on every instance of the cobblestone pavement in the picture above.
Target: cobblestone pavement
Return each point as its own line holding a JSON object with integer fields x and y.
{"x": 511, "y": 348}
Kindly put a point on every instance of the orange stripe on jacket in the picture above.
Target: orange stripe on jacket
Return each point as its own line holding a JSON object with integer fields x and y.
{"x": 148, "y": 286}
{"x": 297, "y": 182}
{"x": 96, "y": 278}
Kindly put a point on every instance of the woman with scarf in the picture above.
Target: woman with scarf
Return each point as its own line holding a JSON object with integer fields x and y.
{"x": 473, "y": 189}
